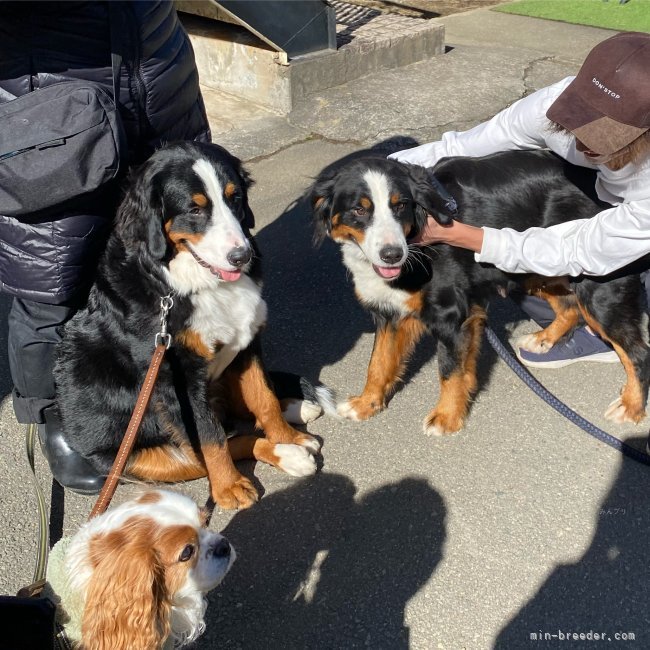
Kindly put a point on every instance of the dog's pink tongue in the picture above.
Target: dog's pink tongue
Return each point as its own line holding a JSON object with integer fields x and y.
{"x": 387, "y": 272}
{"x": 227, "y": 276}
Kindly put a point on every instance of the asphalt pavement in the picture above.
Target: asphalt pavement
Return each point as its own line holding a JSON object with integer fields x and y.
{"x": 518, "y": 532}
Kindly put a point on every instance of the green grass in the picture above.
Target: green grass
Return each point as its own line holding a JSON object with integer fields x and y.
{"x": 634, "y": 16}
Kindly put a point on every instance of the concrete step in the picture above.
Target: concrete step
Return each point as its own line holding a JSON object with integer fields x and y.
{"x": 232, "y": 60}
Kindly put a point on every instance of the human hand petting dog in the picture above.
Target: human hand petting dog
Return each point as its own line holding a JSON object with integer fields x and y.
{"x": 455, "y": 233}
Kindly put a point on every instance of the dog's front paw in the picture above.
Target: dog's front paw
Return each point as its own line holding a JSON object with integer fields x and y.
{"x": 534, "y": 343}
{"x": 308, "y": 442}
{"x": 439, "y": 423}
{"x": 295, "y": 460}
{"x": 359, "y": 408}
{"x": 620, "y": 412}
{"x": 241, "y": 494}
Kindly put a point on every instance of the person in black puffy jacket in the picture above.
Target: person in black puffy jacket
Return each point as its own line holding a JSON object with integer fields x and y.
{"x": 47, "y": 266}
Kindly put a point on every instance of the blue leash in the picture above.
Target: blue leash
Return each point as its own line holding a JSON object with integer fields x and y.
{"x": 559, "y": 406}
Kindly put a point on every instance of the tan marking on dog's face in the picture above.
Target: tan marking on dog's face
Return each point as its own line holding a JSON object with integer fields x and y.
{"x": 394, "y": 199}
{"x": 200, "y": 199}
{"x": 178, "y": 239}
{"x": 229, "y": 190}
{"x": 172, "y": 544}
{"x": 343, "y": 232}
{"x": 167, "y": 543}
{"x": 365, "y": 203}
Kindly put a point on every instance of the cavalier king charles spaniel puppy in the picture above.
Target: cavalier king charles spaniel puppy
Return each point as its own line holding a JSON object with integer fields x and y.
{"x": 135, "y": 577}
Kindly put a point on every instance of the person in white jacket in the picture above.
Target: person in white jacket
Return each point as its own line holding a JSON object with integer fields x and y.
{"x": 598, "y": 119}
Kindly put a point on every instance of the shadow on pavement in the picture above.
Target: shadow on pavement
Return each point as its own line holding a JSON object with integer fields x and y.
{"x": 605, "y": 592}
{"x": 339, "y": 573}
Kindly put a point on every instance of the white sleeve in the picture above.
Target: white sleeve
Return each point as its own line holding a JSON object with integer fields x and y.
{"x": 596, "y": 246}
{"x": 523, "y": 125}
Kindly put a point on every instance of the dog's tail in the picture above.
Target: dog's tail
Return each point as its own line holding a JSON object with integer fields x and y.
{"x": 301, "y": 400}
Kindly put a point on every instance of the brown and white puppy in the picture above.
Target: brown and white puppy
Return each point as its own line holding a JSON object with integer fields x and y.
{"x": 136, "y": 577}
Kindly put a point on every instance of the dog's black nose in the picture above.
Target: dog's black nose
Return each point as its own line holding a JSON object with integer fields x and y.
{"x": 391, "y": 254}
{"x": 239, "y": 256}
{"x": 221, "y": 548}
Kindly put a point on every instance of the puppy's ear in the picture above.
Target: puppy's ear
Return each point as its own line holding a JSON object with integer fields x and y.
{"x": 322, "y": 201}
{"x": 140, "y": 218}
{"x": 430, "y": 197}
{"x": 127, "y": 605}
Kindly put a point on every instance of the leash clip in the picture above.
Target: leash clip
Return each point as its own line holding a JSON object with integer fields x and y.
{"x": 164, "y": 337}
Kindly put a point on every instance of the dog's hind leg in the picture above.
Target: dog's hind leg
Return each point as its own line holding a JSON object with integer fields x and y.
{"x": 175, "y": 464}
{"x": 614, "y": 311}
{"x": 249, "y": 394}
{"x": 292, "y": 459}
{"x": 457, "y": 362}
{"x": 557, "y": 293}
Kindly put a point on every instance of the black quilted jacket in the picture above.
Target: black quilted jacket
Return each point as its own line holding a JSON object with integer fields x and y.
{"x": 42, "y": 43}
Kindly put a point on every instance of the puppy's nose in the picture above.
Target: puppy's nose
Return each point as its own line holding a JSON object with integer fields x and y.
{"x": 239, "y": 256}
{"x": 391, "y": 254}
{"x": 221, "y": 548}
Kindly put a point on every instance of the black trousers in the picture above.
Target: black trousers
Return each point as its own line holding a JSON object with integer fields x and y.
{"x": 34, "y": 331}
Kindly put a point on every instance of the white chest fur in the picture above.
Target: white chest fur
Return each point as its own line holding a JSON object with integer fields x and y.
{"x": 371, "y": 289}
{"x": 230, "y": 314}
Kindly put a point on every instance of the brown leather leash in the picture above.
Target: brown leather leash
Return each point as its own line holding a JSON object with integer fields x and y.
{"x": 163, "y": 341}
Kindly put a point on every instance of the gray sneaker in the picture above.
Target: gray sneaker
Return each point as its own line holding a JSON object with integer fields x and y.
{"x": 580, "y": 346}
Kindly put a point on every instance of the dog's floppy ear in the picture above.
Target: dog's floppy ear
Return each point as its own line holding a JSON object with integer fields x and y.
{"x": 139, "y": 217}
{"x": 430, "y": 197}
{"x": 127, "y": 605}
{"x": 322, "y": 201}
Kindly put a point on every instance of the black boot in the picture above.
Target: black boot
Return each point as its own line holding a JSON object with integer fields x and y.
{"x": 69, "y": 468}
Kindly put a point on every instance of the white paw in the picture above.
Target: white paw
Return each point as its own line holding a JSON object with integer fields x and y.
{"x": 298, "y": 411}
{"x": 616, "y": 412}
{"x": 346, "y": 410}
{"x": 531, "y": 343}
{"x": 433, "y": 430}
{"x": 295, "y": 460}
{"x": 311, "y": 445}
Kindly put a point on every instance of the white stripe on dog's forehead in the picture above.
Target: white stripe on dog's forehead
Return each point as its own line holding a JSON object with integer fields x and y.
{"x": 378, "y": 185}
{"x": 205, "y": 171}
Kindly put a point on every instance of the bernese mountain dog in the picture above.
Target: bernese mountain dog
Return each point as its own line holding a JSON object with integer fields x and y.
{"x": 181, "y": 231}
{"x": 372, "y": 206}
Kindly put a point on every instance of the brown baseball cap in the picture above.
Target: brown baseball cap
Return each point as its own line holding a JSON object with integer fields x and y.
{"x": 607, "y": 105}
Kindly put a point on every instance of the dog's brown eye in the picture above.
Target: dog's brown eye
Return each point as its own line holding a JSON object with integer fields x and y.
{"x": 186, "y": 553}
{"x": 360, "y": 212}
{"x": 399, "y": 207}
{"x": 195, "y": 210}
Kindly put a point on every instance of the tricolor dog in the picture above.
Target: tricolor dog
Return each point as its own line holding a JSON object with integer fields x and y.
{"x": 182, "y": 231}
{"x": 372, "y": 206}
